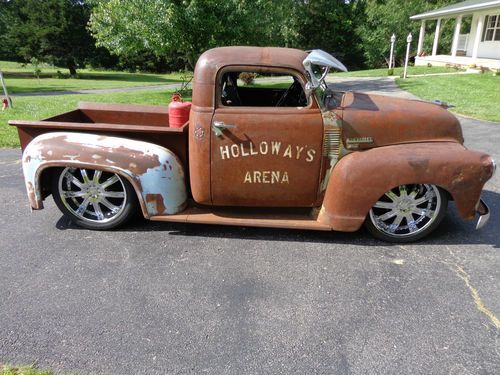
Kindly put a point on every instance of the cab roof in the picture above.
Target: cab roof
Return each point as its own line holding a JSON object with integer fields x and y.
{"x": 214, "y": 59}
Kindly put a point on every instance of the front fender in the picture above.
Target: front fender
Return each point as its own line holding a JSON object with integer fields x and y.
{"x": 359, "y": 179}
{"x": 156, "y": 174}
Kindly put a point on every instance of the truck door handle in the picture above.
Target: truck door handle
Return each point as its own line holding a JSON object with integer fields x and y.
{"x": 219, "y": 126}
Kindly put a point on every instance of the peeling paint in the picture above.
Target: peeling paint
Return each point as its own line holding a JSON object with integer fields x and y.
{"x": 164, "y": 187}
{"x": 155, "y": 203}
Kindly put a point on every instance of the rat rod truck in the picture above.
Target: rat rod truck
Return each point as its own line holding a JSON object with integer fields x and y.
{"x": 284, "y": 152}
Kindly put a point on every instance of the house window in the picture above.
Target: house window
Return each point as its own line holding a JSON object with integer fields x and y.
{"x": 492, "y": 29}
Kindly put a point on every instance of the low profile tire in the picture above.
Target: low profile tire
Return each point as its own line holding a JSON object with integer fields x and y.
{"x": 407, "y": 213}
{"x": 93, "y": 199}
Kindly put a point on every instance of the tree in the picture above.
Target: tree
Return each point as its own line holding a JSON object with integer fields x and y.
{"x": 50, "y": 30}
{"x": 385, "y": 17}
{"x": 180, "y": 28}
{"x": 329, "y": 25}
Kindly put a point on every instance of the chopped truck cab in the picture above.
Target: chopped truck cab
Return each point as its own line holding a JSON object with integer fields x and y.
{"x": 286, "y": 151}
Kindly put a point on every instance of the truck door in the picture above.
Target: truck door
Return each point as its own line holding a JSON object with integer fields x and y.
{"x": 266, "y": 141}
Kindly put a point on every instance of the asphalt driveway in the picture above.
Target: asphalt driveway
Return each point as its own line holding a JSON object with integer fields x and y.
{"x": 187, "y": 299}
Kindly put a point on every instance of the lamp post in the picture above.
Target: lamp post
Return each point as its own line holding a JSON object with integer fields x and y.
{"x": 391, "y": 58}
{"x": 408, "y": 41}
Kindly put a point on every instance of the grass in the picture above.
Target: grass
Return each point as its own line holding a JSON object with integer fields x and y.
{"x": 21, "y": 79}
{"x": 474, "y": 95}
{"x": 39, "y": 107}
{"x": 412, "y": 70}
{"x": 23, "y": 370}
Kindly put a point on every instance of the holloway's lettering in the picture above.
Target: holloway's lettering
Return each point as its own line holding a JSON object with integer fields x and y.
{"x": 245, "y": 149}
{"x": 266, "y": 177}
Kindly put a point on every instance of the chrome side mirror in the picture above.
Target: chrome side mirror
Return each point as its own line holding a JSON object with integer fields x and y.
{"x": 317, "y": 65}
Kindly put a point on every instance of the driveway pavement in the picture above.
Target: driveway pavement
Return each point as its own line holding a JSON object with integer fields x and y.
{"x": 187, "y": 299}
{"x": 370, "y": 85}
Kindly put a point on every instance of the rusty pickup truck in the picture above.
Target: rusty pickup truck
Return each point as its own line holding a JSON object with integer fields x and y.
{"x": 287, "y": 151}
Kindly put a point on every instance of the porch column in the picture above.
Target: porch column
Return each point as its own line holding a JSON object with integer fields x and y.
{"x": 420, "y": 46}
{"x": 456, "y": 35}
{"x": 477, "y": 38}
{"x": 436, "y": 37}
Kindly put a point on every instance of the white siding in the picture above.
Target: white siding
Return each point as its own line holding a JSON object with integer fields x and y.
{"x": 486, "y": 49}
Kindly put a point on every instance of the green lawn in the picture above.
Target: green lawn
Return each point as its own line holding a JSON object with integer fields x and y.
{"x": 397, "y": 71}
{"x": 21, "y": 79}
{"x": 23, "y": 370}
{"x": 474, "y": 95}
{"x": 39, "y": 107}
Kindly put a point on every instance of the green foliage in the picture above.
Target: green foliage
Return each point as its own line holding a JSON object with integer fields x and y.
{"x": 23, "y": 370}
{"x": 51, "y": 31}
{"x": 247, "y": 77}
{"x": 169, "y": 35}
{"x": 182, "y": 28}
{"x": 329, "y": 25}
{"x": 187, "y": 28}
{"x": 385, "y": 17}
{"x": 36, "y": 68}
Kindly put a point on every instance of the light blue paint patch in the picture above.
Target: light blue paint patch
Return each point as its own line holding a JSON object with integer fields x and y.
{"x": 106, "y": 153}
{"x": 166, "y": 180}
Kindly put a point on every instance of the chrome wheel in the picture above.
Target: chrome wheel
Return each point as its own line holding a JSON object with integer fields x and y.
{"x": 92, "y": 196}
{"x": 407, "y": 212}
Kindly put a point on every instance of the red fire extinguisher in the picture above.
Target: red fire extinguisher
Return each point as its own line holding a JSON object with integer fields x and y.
{"x": 5, "y": 103}
{"x": 178, "y": 111}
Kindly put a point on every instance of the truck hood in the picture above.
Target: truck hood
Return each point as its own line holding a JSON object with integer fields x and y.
{"x": 374, "y": 120}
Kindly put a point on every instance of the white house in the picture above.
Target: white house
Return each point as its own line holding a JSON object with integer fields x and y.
{"x": 480, "y": 45}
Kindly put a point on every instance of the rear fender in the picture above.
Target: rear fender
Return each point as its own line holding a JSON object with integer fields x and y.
{"x": 155, "y": 173}
{"x": 359, "y": 179}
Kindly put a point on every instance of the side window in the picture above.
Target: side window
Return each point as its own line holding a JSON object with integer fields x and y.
{"x": 252, "y": 89}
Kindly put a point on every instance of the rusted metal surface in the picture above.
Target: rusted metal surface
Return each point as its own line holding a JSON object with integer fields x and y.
{"x": 156, "y": 174}
{"x": 341, "y": 155}
{"x": 361, "y": 178}
{"x": 203, "y": 159}
{"x": 140, "y": 122}
{"x": 132, "y": 114}
{"x": 387, "y": 120}
{"x": 272, "y": 158}
{"x": 240, "y": 217}
{"x": 213, "y": 60}
{"x": 199, "y": 154}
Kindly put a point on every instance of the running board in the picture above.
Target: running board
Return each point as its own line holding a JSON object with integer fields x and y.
{"x": 247, "y": 218}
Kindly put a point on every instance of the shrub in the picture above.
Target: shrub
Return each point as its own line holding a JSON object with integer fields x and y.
{"x": 247, "y": 77}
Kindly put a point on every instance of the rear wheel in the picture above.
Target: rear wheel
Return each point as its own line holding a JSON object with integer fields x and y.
{"x": 93, "y": 199}
{"x": 407, "y": 213}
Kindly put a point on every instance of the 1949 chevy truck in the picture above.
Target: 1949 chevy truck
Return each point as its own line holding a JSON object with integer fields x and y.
{"x": 286, "y": 152}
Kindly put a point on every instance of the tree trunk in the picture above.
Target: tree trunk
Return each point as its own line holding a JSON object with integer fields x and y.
{"x": 72, "y": 70}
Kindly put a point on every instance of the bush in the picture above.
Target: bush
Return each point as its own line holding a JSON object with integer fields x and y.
{"x": 247, "y": 77}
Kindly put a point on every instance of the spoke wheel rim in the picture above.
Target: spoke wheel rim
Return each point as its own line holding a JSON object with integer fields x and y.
{"x": 406, "y": 210}
{"x": 91, "y": 195}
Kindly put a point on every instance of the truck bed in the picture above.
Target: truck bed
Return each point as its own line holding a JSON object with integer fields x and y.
{"x": 141, "y": 122}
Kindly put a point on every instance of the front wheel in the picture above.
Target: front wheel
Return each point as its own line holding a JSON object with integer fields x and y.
{"x": 407, "y": 213}
{"x": 93, "y": 199}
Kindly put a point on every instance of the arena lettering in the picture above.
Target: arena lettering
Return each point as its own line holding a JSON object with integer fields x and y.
{"x": 245, "y": 149}
{"x": 266, "y": 177}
